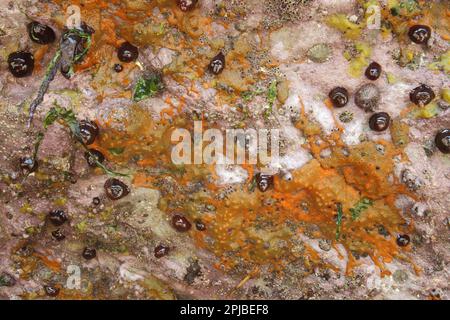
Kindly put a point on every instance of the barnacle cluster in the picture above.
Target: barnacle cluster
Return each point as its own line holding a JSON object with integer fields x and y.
{"x": 282, "y": 11}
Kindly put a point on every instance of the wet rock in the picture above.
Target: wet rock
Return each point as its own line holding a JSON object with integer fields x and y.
{"x": 55, "y": 147}
{"x": 145, "y": 215}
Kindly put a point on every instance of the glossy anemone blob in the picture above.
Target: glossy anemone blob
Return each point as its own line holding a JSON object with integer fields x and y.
{"x": 200, "y": 225}
{"x": 217, "y": 64}
{"x": 88, "y": 131}
{"x": 161, "y": 251}
{"x": 422, "y": 95}
{"x": 93, "y": 157}
{"x": 21, "y": 64}
{"x": 442, "y": 141}
{"x": 89, "y": 253}
{"x": 40, "y": 33}
{"x": 116, "y": 189}
{"x": 403, "y": 240}
{"x": 58, "y": 235}
{"x": 51, "y": 291}
{"x": 264, "y": 182}
{"x": 118, "y": 67}
{"x": 379, "y": 121}
{"x": 186, "y": 5}
{"x": 181, "y": 223}
{"x": 127, "y": 52}
{"x": 57, "y": 217}
{"x": 373, "y": 71}
{"x": 419, "y": 34}
{"x": 339, "y": 97}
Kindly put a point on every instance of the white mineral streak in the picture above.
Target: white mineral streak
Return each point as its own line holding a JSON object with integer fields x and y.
{"x": 128, "y": 273}
{"x": 315, "y": 108}
{"x": 231, "y": 174}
